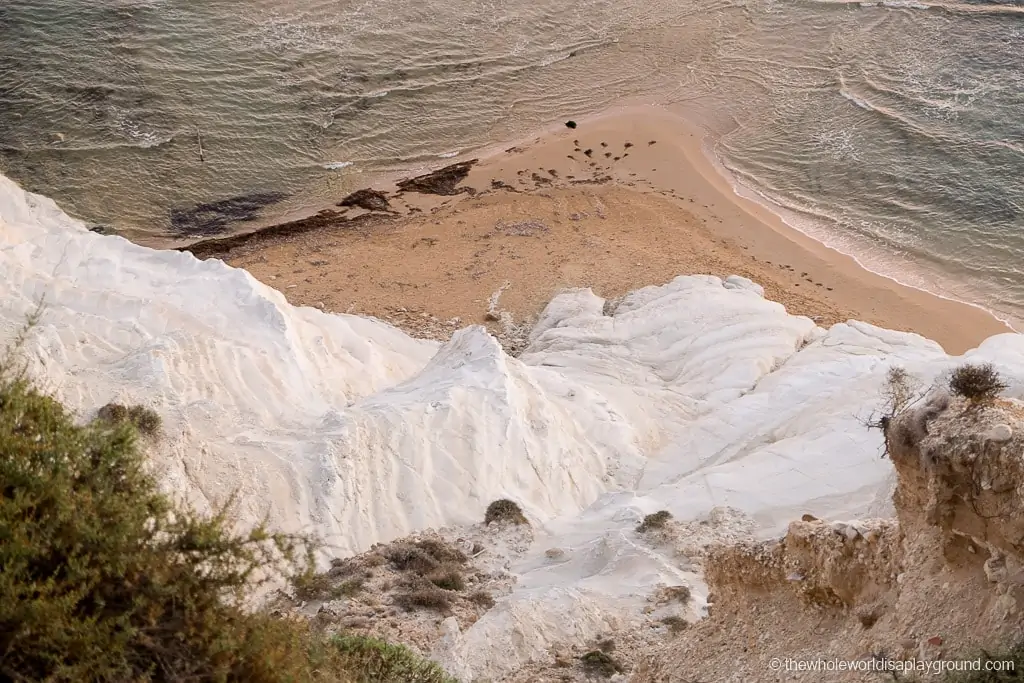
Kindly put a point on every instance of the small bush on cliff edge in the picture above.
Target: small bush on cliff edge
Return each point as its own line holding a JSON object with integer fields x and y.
{"x": 976, "y": 382}
{"x": 105, "y": 579}
{"x": 899, "y": 392}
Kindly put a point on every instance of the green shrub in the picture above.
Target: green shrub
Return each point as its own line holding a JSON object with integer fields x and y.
{"x": 104, "y": 578}
{"x": 379, "y": 662}
{"x": 657, "y": 520}
{"x": 505, "y": 510}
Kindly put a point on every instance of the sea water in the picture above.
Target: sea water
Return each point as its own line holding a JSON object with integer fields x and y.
{"x": 893, "y": 131}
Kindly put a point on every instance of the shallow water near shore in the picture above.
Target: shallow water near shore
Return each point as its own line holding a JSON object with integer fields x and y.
{"x": 889, "y": 131}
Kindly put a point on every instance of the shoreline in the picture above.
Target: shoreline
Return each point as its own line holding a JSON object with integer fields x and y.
{"x": 752, "y": 194}
{"x": 757, "y": 198}
{"x": 673, "y": 184}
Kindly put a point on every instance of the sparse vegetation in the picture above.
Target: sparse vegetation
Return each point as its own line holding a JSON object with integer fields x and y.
{"x": 657, "y": 520}
{"x": 976, "y": 382}
{"x": 144, "y": 419}
{"x": 899, "y": 392}
{"x": 409, "y": 557}
{"x": 424, "y": 557}
{"x": 310, "y": 586}
{"x": 599, "y": 663}
{"x": 380, "y": 662}
{"x": 678, "y": 593}
{"x": 349, "y": 588}
{"x": 374, "y": 560}
{"x": 505, "y": 510}
{"x": 482, "y": 598}
{"x": 442, "y": 552}
{"x": 676, "y": 624}
{"x": 428, "y": 596}
{"x": 447, "y": 577}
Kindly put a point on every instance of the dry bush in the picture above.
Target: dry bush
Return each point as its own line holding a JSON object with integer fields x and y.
{"x": 441, "y": 551}
{"x": 423, "y": 557}
{"x": 374, "y": 560}
{"x": 425, "y": 597}
{"x": 146, "y": 420}
{"x": 976, "y": 382}
{"x": 482, "y": 598}
{"x": 407, "y": 557}
{"x": 675, "y": 624}
{"x": 900, "y": 391}
{"x": 677, "y": 593}
{"x": 505, "y": 510}
{"x": 598, "y": 663}
{"x": 657, "y": 520}
{"x": 447, "y": 577}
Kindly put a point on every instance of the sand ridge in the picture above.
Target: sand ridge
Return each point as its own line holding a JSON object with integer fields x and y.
{"x": 624, "y": 201}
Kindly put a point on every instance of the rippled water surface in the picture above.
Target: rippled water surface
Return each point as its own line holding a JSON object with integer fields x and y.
{"x": 894, "y": 131}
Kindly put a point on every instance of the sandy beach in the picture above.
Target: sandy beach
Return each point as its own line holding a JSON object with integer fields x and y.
{"x": 626, "y": 199}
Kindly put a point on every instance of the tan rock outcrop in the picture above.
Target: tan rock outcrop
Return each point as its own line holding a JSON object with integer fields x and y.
{"x": 940, "y": 582}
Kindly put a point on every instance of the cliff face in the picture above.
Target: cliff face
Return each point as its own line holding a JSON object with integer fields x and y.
{"x": 941, "y": 581}
{"x": 698, "y": 398}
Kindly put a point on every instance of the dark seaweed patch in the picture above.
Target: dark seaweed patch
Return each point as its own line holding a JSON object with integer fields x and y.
{"x": 213, "y": 218}
{"x": 443, "y": 182}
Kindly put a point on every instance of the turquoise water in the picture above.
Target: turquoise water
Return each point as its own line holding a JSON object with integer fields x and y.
{"x": 892, "y": 131}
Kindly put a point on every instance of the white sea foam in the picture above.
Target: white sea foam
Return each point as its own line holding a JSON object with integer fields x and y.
{"x": 337, "y": 165}
{"x": 695, "y": 394}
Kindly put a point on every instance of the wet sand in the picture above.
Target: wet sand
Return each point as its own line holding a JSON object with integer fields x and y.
{"x": 625, "y": 200}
